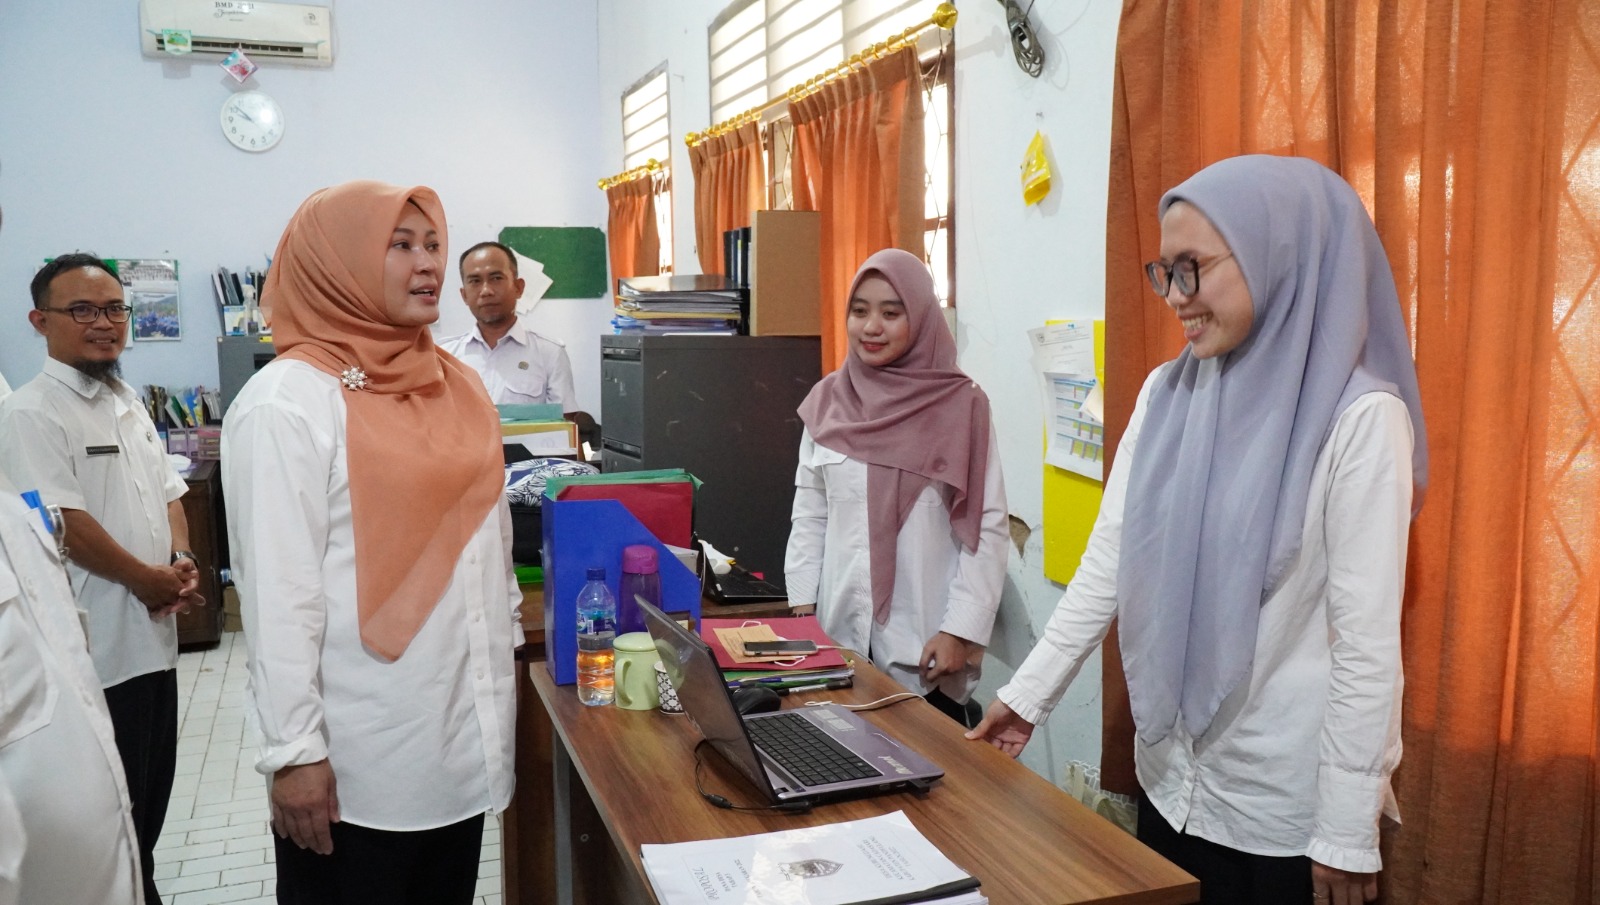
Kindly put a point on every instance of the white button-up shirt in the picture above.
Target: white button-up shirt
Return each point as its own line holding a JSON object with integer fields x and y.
{"x": 939, "y": 585}
{"x": 84, "y": 445}
{"x": 1298, "y": 758}
{"x": 523, "y": 367}
{"x": 418, "y": 743}
{"x": 70, "y": 834}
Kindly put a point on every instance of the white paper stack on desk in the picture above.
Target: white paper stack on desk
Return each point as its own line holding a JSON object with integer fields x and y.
{"x": 876, "y": 861}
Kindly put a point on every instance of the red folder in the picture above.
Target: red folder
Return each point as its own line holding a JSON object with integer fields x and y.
{"x": 665, "y": 508}
{"x": 792, "y": 628}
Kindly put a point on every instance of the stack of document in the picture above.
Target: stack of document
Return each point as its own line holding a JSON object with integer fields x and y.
{"x": 876, "y": 861}
{"x": 827, "y": 668}
{"x": 697, "y": 303}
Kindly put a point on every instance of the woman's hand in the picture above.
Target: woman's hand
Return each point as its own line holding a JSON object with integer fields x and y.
{"x": 943, "y": 655}
{"x": 1002, "y": 728}
{"x": 304, "y": 803}
{"x": 1332, "y": 886}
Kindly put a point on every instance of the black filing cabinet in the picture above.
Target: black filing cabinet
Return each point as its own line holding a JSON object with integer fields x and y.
{"x": 722, "y": 407}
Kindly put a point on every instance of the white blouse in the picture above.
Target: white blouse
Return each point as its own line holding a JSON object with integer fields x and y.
{"x": 419, "y": 743}
{"x": 1298, "y": 758}
{"x": 939, "y": 586}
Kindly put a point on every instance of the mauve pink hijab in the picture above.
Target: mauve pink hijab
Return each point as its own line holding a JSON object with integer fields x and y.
{"x": 914, "y": 421}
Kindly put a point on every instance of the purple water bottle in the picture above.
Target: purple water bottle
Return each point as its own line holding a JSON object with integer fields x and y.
{"x": 639, "y": 576}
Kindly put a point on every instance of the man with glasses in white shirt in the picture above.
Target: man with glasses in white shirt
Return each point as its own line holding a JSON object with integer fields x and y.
{"x": 79, "y": 435}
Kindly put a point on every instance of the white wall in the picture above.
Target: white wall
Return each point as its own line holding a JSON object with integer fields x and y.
{"x": 1016, "y": 266}
{"x": 490, "y": 102}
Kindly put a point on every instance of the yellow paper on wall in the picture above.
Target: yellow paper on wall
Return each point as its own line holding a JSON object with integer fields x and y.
{"x": 1071, "y": 501}
{"x": 1035, "y": 171}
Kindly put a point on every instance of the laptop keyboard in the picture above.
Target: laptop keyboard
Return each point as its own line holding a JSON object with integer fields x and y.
{"x": 806, "y": 752}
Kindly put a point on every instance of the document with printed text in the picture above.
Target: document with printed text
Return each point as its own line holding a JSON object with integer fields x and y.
{"x": 878, "y": 860}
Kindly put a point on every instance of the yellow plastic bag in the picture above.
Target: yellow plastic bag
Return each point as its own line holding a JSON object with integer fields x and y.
{"x": 1035, "y": 171}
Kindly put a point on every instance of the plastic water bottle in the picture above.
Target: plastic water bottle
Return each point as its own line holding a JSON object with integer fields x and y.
{"x": 639, "y": 579}
{"x": 597, "y": 626}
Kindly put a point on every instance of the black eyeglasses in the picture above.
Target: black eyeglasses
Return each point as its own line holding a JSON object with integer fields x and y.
{"x": 85, "y": 313}
{"x": 1185, "y": 272}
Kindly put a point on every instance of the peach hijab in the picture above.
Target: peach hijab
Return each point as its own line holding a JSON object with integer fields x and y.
{"x": 421, "y": 437}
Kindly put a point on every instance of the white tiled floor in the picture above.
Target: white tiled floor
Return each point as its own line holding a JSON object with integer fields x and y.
{"x": 216, "y": 846}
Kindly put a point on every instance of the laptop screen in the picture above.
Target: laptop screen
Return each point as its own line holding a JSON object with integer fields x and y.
{"x": 692, "y": 668}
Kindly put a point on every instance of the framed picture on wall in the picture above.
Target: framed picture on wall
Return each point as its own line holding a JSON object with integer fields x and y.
{"x": 151, "y": 289}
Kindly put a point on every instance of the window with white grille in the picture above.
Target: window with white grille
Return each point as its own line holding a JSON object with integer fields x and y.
{"x": 759, "y": 49}
{"x": 646, "y": 136}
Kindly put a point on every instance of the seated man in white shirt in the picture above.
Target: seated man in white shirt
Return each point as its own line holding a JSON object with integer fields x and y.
{"x": 517, "y": 364}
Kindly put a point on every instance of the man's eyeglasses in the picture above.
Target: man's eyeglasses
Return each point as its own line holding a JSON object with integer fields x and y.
{"x": 85, "y": 313}
{"x": 1185, "y": 272}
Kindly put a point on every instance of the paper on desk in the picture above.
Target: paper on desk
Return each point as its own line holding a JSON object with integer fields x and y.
{"x": 879, "y": 858}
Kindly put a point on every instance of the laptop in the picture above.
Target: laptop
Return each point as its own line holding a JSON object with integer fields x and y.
{"x": 739, "y": 586}
{"x": 809, "y": 754}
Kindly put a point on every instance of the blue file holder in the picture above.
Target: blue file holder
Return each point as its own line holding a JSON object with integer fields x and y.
{"x": 583, "y": 534}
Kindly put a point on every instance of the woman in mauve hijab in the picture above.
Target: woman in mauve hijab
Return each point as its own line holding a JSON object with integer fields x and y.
{"x": 1252, "y": 543}
{"x": 371, "y": 543}
{"x": 900, "y": 535}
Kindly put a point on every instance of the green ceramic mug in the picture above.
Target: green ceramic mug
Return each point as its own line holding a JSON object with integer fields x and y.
{"x": 636, "y": 671}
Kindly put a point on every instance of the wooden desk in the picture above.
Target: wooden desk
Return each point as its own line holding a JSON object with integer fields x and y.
{"x": 1029, "y": 843}
{"x": 528, "y": 850}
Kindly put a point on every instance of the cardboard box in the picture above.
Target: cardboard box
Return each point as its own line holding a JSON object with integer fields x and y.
{"x": 786, "y": 273}
{"x": 231, "y": 622}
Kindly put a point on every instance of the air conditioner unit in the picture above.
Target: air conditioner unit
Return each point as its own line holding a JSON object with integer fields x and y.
{"x": 278, "y": 30}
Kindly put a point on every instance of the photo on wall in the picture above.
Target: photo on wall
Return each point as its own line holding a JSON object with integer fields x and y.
{"x": 151, "y": 289}
{"x": 155, "y": 315}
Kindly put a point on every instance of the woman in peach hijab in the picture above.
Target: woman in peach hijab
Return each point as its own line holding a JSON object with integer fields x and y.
{"x": 372, "y": 555}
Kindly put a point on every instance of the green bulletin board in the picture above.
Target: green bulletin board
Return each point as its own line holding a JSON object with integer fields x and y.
{"x": 574, "y": 258}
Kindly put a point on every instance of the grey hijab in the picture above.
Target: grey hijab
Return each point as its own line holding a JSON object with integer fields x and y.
{"x": 1217, "y": 496}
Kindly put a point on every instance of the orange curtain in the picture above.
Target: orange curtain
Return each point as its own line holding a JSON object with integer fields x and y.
{"x": 730, "y": 183}
{"x": 858, "y": 160}
{"x": 1472, "y": 131}
{"x": 631, "y": 231}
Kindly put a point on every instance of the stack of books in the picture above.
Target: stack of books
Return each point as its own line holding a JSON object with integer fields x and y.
{"x": 825, "y": 669}
{"x": 698, "y": 303}
{"x": 876, "y": 861}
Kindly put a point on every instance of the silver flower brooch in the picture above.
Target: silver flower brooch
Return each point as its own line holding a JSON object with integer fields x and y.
{"x": 353, "y": 378}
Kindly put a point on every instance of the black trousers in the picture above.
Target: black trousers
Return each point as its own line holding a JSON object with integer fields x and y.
{"x": 144, "y": 717}
{"x": 955, "y": 710}
{"x": 1227, "y": 876}
{"x": 382, "y": 867}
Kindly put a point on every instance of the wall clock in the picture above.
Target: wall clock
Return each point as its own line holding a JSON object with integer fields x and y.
{"x": 252, "y": 121}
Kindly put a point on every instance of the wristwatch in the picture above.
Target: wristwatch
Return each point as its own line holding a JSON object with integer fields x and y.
{"x": 182, "y": 554}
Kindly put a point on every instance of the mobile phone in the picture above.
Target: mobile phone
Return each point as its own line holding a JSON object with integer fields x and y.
{"x": 793, "y": 648}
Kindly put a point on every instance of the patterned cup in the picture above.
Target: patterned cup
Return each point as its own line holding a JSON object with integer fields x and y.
{"x": 669, "y": 695}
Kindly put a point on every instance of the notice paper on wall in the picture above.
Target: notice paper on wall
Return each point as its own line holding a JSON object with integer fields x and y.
{"x": 150, "y": 287}
{"x": 1063, "y": 359}
{"x": 878, "y": 859}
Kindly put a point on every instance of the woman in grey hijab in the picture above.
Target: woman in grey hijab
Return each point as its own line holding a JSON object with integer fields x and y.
{"x": 1252, "y": 539}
